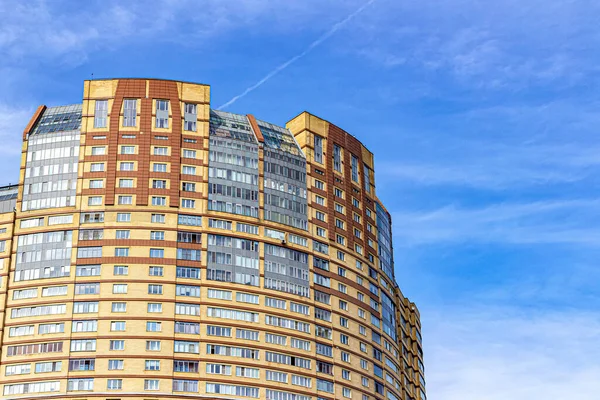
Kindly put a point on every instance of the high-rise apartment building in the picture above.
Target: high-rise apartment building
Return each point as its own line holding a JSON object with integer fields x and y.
{"x": 157, "y": 249}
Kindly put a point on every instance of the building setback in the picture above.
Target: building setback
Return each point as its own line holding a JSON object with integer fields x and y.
{"x": 155, "y": 248}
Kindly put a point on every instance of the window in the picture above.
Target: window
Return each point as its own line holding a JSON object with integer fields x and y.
{"x": 157, "y": 235}
{"x": 127, "y": 149}
{"x": 246, "y": 372}
{"x": 118, "y": 307}
{"x": 188, "y": 170}
{"x": 87, "y": 288}
{"x": 188, "y": 203}
{"x": 192, "y": 220}
{"x": 159, "y": 184}
{"x": 155, "y": 271}
{"x": 117, "y": 326}
{"x": 367, "y": 178}
{"x": 155, "y": 289}
{"x": 189, "y": 153}
{"x": 158, "y": 218}
{"x": 154, "y": 307}
{"x": 225, "y": 313}
{"x": 53, "y": 291}
{"x": 126, "y": 183}
{"x": 219, "y": 294}
{"x": 120, "y": 270}
{"x": 114, "y": 384}
{"x": 318, "y": 145}
{"x": 98, "y": 150}
{"x": 321, "y": 232}
{"x": 96, "y": 184}
{"x": 126, "y": 166}
{"x": 324, "y": 386}
{"x": 76, "y": 385}
{"x": 188, "y": 187}
{"x": 97, "y": 167}
{"x": 94, "y": 200}
{"x": 83, "y": 345}
{"x": 151, "y": 384}
{"x": 121, "y": 252}
{"x": 276, "y": 376}
{"x": 246, "y": 334}
{"x": 152, "y": 326}
{"x": 101, "y": 114}
{"x": 125, "y": 200}
{"x": 275, "y": 303}
{"x": 122, "y": 234}
{"x": 319, "y": 184}
{"x": 129, "y": 112}
{"x": 276, "y": 339}
{"x": 246, "y": 298}
{"x": 159, "y": 167}
{"x": 299, "y": 308}
{"x": 115, "y": 365}
{"x": 153, "y": 345}
{"x": 161, "y": 151}
{"x": 159, "y": 201}
{"x": 188, "y": 272}
{"x": 89, "y": 252}
{"x": 85, "y": 307}
{"x": 162, "y": 113}
{"x": 119, "y": 288}
{"x": 153, "y": 365}
{"x": 123, "y": 217}
{"x": 338, "y": 193}
{"x": 354, "y": 168}
{"x": 213, "y": 330}
{"x": 337, "y": 158}
{"x": 219, "y": 223}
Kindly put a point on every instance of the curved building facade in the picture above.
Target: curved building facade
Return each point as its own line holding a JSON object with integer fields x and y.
{"x": 157, "y": 249}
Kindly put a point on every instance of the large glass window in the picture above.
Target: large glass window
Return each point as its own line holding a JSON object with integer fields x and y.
{"x": 129, "y": 112}
{"x": 318, "y": 149}
{"x": 100, "y": 116}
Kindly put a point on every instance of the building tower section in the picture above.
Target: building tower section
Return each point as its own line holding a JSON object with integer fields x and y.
{"x": 157, "y": 249}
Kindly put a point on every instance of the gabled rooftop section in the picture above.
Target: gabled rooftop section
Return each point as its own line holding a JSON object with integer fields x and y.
{"x": 59, "y": 119}
{"x": 279, "y": 138}
{"x": 232, "y": 126}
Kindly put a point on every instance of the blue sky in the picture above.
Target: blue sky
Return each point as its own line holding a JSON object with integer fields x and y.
{"x": 483, "y": 119}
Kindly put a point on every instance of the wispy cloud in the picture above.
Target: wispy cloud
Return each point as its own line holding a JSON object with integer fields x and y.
{"x": 497, "y": 353}
{"x": 40, "y": 30}
{"x": 12, "y": 123}
{"x": 498, "y": 148}
{"x": 567, "y": 222}
{"x": 504, "y": 45}
{"x": 336, "y": 27}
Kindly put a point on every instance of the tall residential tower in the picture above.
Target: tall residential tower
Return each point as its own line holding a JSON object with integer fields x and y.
{"x": 155, "y": 248}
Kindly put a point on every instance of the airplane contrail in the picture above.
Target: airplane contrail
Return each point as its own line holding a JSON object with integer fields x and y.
{"x": 286, "y": 64}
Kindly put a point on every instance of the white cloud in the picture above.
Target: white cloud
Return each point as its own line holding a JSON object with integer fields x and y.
{"x": 498, "y": 353}
{"x": 12, "y": 123}
{"x": 499, "y": 147}
{"x": 569, "y": 222}
{"x": 506, "y": 44}
{"x": 40, "y": 30}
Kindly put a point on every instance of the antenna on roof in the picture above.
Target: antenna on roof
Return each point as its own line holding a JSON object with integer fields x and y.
{"x": 92, "y": 76}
